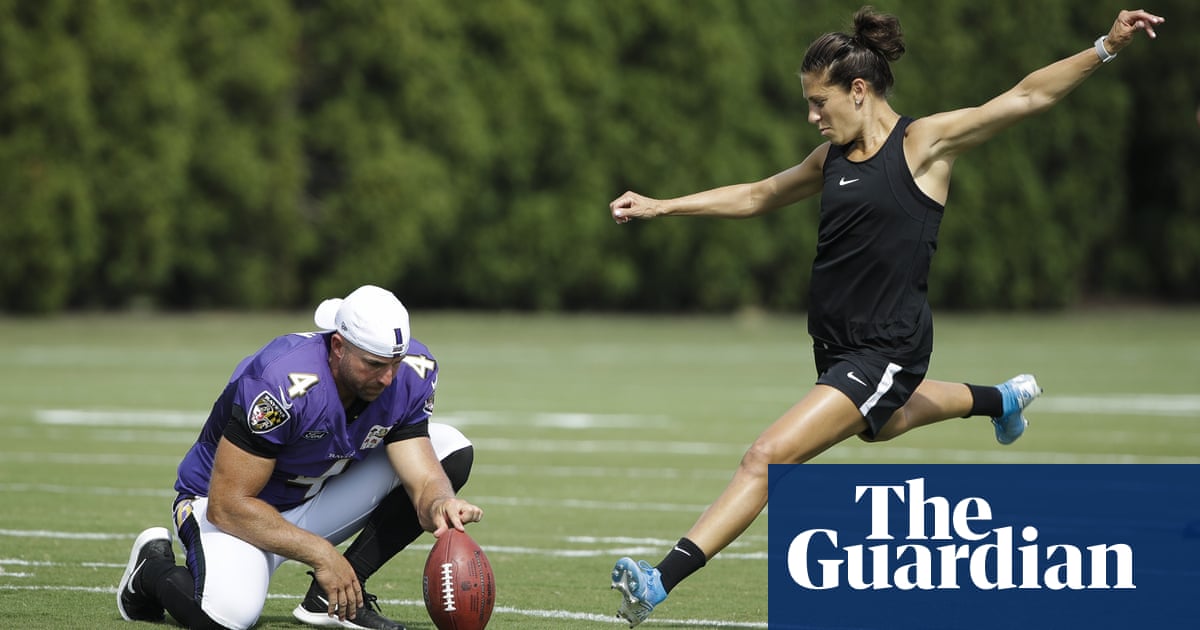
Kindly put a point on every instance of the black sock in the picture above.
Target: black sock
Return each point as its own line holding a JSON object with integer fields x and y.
{"x": 389, "y": 529}
{"x": 394, "y": 523}
{"x": 685, "y": 559}
{"x": 173, "y": 587}
{"x": 987, "y": 401}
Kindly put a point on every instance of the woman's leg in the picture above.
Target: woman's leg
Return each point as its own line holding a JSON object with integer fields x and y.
{"x": 823, "y": 418}
{"x": 933, "y": 401}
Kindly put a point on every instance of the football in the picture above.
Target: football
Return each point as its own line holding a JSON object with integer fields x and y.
{"x": 459, "y": 587}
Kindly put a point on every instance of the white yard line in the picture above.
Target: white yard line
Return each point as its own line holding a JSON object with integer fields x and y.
{"x": 1173, "y": 405}
{"x": 137, "y": 427}
{"x": 583, "y": 547}
{"x": 503, "y": 610}
{"x": 1178, "y": 405}
{"x": 876, "y": 452}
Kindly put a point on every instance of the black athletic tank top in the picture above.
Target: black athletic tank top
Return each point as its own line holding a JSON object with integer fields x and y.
{"x": 875, "y": 242}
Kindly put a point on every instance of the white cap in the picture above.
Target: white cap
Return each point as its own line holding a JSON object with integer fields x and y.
{"x": 371, "y": 318}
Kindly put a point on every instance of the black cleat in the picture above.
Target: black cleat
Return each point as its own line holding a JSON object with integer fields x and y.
{"x": 135, "y": 605}
{"x": 314, "y": 611}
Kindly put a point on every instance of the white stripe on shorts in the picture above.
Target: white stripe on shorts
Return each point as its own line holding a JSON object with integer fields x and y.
{"x": 885, "y": 384}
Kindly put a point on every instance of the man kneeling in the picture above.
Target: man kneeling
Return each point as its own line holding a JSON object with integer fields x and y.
{"x": 316, "y": 436}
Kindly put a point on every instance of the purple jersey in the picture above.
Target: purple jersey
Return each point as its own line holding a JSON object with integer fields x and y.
{"x": 282, "y": 403}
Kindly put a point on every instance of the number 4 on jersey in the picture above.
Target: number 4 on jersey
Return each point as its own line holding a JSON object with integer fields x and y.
{"x": 301, "y": 382}
{"x": 422, "y": 365}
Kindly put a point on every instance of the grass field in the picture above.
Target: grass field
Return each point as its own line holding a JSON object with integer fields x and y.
{"x": 595, "y": 437}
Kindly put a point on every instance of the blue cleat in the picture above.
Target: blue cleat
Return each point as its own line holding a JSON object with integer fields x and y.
{"x": 641, "y": 590}
{"x": 1017, "y": 393}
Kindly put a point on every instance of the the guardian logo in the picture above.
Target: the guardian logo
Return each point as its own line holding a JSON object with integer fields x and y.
{"x": 946, "y": 545}
{"x": 983, "y": 546}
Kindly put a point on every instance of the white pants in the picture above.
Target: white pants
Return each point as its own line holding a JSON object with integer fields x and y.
{"x": 236, "y": 573}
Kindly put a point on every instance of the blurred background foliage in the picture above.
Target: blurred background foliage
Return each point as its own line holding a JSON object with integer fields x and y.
{"x": 267, "y": 154}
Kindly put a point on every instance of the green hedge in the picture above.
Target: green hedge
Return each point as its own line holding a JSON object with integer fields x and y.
{"x": 267, "y": 154}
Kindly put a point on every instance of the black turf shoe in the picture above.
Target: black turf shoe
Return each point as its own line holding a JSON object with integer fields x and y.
{"x": 314, "y": 611}
{"x": 134, "y": 604}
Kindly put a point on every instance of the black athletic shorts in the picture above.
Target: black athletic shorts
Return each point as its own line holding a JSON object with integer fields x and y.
{"x": 874, "y": 383}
